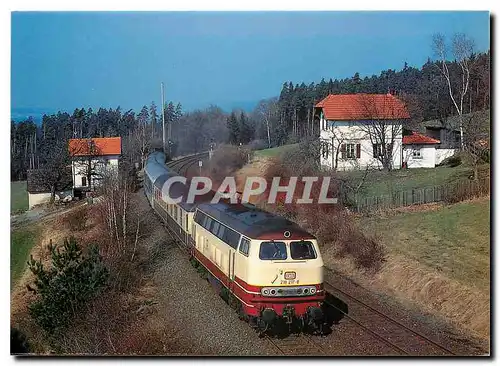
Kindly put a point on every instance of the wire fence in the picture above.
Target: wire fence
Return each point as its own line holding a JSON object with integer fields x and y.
{"x": 450, "y": 193}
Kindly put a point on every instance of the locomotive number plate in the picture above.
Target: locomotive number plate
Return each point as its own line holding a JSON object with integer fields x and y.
{"x": 290, "y": 275}
{"x": 289, "y": 282}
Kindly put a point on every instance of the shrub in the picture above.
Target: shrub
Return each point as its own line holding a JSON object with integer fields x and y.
{"x": 333, "y": 226}
{"x": 257, "y": 145}
{"x": 76, "y": 219}
{"x": 466, "y": 189}
{"x": 226, "y": 160}
{"x": 64, "y": 289}
{"x": 452, "y": 161}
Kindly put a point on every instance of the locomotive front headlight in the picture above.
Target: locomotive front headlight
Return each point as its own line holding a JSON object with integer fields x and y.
{"x": 313, "y": 290}
{"x": 265, "y": 292}
{"x": 273, "y": 292}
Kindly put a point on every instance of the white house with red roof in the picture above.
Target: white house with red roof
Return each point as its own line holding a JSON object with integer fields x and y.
{"x": 92, "y": 159}
{"x": 419, "y": 151}
{"x": 359, "y": 131}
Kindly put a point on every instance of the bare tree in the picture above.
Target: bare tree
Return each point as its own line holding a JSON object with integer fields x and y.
{"x": 268, "y": 111}
{"x": 141, "y": 142}
{"x": 384, "y": 125}
{"x": 122, "y": 218}
{"x": 462, "y": 49}
{"x": 477, "y": 140}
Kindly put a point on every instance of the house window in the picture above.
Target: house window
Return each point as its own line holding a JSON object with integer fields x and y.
{"x": 416, "y": 154}
{"x": 84, "y": 181}
{"x": 350, "y": 151}
{"x": 324, "y": 150}
{"x": 378, "y": 151}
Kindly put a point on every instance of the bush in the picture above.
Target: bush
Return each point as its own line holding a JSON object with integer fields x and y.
{"x": 257, "y": 145}
{"x": 64, "y": 289}
{"x": 466, "y": 189}
{"x": 452, "y": 161}
{"x": 226, "y": 160}
{"x": 76, "y": 220}
{"x": 303, "y": 159}
{"x": 335, "y": 227}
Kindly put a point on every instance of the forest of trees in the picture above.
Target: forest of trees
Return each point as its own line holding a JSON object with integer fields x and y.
{"x": 424, "y": 90}
{"x": 273, "y": 122}
{"x": 38, "y": 146}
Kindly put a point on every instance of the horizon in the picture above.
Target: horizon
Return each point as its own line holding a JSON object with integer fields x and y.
{"x": 229, "y": 59}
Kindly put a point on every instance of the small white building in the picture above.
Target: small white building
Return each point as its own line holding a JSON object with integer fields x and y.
{"x": 420, "y": 151}
{"x": 359, "y": 131}
{"x": 92, "y": 159}
{"x": 39, "y": 187}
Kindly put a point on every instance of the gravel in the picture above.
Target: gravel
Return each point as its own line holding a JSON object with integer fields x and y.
{"x": 197, "y": 314}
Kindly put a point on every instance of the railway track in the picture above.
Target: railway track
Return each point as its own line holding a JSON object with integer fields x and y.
{"x": 386, "y": 329}
{"x": 296, "y": 345}
{"x": 183, "y": 165}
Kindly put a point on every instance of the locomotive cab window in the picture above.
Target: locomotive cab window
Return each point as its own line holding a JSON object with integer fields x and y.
{"x": 244, "y": 246}
{"x": 302, "y": 250}
{"x": 272, "y": 250}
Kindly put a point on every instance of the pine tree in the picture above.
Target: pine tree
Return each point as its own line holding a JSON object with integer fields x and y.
{"x": 233, "y": 128}
{"x": 153, "y": 115}
{"x": 246, "y": 131}
{"x": 143, "y": 116}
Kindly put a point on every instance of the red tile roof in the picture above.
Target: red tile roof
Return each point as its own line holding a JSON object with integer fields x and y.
{"x": 103, "y": 146}
{"x": 345, "y": 107}
{"x": 416, "y": 138}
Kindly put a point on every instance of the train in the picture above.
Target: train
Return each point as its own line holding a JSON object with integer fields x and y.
{"x": 268, "y": 268}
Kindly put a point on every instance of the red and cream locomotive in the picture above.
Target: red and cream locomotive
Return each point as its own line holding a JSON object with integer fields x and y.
{"x": 269, "y": 268}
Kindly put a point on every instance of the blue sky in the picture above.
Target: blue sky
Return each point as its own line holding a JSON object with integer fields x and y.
{"x": 61, "y": 61}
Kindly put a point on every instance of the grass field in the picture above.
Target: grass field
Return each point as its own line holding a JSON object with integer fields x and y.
{"x": 379, "y": 183}
{"x": 18, "y": 197}
{"x": 274, "y": 151}
{"x": 21, "y": 242}
{"x": 454, "y": 240}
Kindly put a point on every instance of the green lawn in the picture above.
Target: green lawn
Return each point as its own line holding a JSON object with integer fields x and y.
{"x": 453, "y": 239}
{"x": 18, "y": 197}
{"x": 274, "y": 151}
{"x": 21, "y": 242}
{"x": 379, "y": 183}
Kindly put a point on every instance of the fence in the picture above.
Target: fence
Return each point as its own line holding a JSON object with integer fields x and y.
{"x": 453, "y": 192}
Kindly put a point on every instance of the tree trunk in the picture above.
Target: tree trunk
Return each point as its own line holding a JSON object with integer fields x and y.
{"x": 52, "y": 193}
